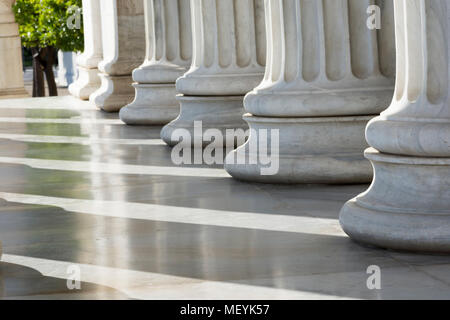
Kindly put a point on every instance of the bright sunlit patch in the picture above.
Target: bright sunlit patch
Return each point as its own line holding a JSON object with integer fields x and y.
{"x": 79, "y": 140}
{"x": 156, "y": 286}
{"x": 117, "y": 168}
{"x": 62, "y": 121}
{"x": 199, "y": 216}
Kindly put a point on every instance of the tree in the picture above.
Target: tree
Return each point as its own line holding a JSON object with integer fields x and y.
{"x": 46, "y": 26}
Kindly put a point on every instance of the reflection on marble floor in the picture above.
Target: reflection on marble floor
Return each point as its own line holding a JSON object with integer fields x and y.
{"x": 80, "y": 188}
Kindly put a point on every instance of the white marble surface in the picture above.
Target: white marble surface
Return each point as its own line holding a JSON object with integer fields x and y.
{"x": 168, "y": 39}
{"x": 229, "y": 55}
{"x": 153, "y": 104}
{"x": 311, "y": 150}
{"x": 417, "y": 123}
{"x": 408, "y": 205}
{"x": 123, "y": 38}
{"x": 150, "y": 235}
{"x": 229, "y": 50}
{"x": 219, "y": 113}
{"x": 88, "y": 80}
{"x": 323, "y": 63}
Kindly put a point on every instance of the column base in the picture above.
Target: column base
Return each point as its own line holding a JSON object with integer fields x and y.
{"x": 114, "y": 93}
{"x": 406, "y": 207}
{"x": 87, "y": 83}
{"x": 154, "y": 104}
{"x": 222, "y": 84}
{"x": 219, "y": 113}
{"x": 322, "y": 101}
{"x": 13, "y": 93}
{"x": 311, "y": 150}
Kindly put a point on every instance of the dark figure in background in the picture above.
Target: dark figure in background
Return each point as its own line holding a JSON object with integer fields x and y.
{"x": 43, "y": 61}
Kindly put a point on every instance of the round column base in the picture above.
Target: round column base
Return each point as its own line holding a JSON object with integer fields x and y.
{"x": 355, "y": 99}
{"x": 311, "y": 150}
{"x": 406, "y": 207}
{"x": 222, "y": 84}
{"x": 220, "y": 113}
{"x": 154, "y": 104}
{"x": 114, "y": 93}
{"x": 11, "y": 93}
{"x": 87, "y": 83}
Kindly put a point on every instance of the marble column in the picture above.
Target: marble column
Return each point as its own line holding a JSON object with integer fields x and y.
{"x": 407, "y": 206}
{"x": 123, "y": 35}
{"x": 11, "y": 79}
{"x": 66, "y": 68}
{"x": 88, "y": 80}
{"x": 169, "y": 53}
{"x": 327, "y": 75}
{"x": 229, "y": 51}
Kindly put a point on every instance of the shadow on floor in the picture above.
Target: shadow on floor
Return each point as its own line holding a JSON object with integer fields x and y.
{"x": 18, "y": 282}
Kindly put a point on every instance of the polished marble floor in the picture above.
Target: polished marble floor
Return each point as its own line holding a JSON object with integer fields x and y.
{"x": 79, "y": 188}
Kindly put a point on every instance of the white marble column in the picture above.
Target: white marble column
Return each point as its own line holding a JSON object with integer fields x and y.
{"x": 11, "y": 78}
{"x": 123, "y": 34}
{"x": 88, "y": 79}
{"x": 67, "y": 72}
{"x": 228, "y": 61}
{"x": 407, "y": 206}
{"x": 327, "y": 74}
{"x": 169, "y": 53}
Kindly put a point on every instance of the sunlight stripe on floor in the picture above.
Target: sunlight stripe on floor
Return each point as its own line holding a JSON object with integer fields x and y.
{"x": 198, "y": 216}
{"x": 79, "y": 140}
{"x": 117, "y": 168}
{"x": 62, "y": 121}
{"x": 48, "y": 103}
{"x": 157, "y": 286}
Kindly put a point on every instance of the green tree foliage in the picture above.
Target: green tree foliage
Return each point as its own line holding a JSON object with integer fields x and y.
{"x": 45, "y": 26}
{"x": 50, "y": 23}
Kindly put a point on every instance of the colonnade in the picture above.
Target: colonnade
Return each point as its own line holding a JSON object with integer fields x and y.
{"x": 312, "y": 70}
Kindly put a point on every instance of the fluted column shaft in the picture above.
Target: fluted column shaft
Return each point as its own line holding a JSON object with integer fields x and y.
{"x": 327, "y": 73}
{"x": 168, "y": 56}
{"x": 88, "y": 79}
{"x": 320, "y": 50}
{"x": 11, "y": 79}
{"x": 228, "y": 61}
{"x": 229, "y": 48}
{"x": 417, "y": 122}
{"x": 123, "y": 37}
{"x": 408, "y": 204}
